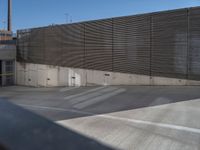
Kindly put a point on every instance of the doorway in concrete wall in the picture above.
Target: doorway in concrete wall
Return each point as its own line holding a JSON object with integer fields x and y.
{"x": 52, "y": 77}
{"x": 107, "y": 79}
{"x": 9, "y": 73}
{"x": 7, "y": 76}
{"x": 74, "y": 78}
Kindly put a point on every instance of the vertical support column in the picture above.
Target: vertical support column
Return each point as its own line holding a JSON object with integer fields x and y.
{"x": 9, "y": 15}
{"x": 150, "y": 65}
{"x": 188, "y": 44}
{"x": 15, "y": 72}
{"x": 84, "y": 57}
{"x": 113, "y": 45}
{"x": 3, "y": 73}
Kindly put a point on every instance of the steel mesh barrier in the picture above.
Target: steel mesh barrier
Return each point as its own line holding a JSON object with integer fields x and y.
{"x": 36, "y": 46}
{"x": 52, "y": 41}
{"x": 194, "y": 44}
{"x": 98, "y": 45}
{"x": 162, "y": 44}
{"x": 169, "y": 44}
{"x": 131, "y": 48}
{"x": 72, "y": 45}
{"x": 22, "y": 45}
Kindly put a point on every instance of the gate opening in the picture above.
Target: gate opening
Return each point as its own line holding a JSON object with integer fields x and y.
{"x": 7, "y": 70}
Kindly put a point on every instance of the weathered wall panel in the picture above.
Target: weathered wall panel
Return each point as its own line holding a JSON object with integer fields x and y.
{"x": 53, "y": 52}
{"x": 163, "y": 44}
{"x": 23, "y": 37}
{"x": 98, "y": 45}
{"x": 169, "y": 44}
{"x": 131, "y": 51}
{"x": 194, "y": 44}
{"x": 72, "y": 45}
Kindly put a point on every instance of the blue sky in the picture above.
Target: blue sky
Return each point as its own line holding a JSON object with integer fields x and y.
{"x": 34, "y": 13}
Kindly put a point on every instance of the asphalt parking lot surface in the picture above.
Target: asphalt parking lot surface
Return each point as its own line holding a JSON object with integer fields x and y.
{"x": 123, "y": 117}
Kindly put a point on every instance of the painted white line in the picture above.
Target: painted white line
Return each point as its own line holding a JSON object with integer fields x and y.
{"x": 68, "y": 89}
{"x": 54, "y": 109}
{"x": 92, "y": 95}
{"x": 162, "y": 125}
{"x": 132, "y": 121}
{"x": 83, "y": 93}
{"x": 98, "y": 99}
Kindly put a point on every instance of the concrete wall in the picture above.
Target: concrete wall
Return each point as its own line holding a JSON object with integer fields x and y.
{"x": 49, "y": 76}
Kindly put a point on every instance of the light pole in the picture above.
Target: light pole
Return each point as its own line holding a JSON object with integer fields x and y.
{"x": 9, "y": 15}
{"x": 4, "y": 24}
{"x": 66, "y": 17}
{"x": 70, "y": 19}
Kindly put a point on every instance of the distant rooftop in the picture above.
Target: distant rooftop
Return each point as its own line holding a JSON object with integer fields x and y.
{"x": 5, "y": 35}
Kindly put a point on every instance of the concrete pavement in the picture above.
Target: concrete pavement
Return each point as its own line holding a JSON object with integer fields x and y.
{"x": 123, "y": 117}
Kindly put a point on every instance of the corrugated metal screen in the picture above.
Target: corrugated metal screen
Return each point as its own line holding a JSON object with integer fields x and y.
{"x": 72, "y": 45}
{"x": 30, "y": 46}
{"x": 131, "y": 51}
{"x": 36, "y": 46}
{"x": 194, "y": 44}
{"x": 52, "y": 41}
{"x": 169, "y": 44}
{"x": 22, "y": 45}
{"x": 98, "y": 45}
{"x": 158, "y": 44}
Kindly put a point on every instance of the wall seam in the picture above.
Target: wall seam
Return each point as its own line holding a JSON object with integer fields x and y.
{"x": 188, "y": 43}
{"x": 113, "y": 45}
{"x": 150, "y": 66}
{"x": 84, "y": 57}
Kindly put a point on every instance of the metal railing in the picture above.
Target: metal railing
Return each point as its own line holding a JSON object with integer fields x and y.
{"x": 7, "y": 74}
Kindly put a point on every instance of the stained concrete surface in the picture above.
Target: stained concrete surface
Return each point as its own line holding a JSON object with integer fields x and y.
{"x": 123, "y": 117}
{"x": 23, "y": 130}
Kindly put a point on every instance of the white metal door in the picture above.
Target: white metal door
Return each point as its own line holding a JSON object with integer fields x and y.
{"x": 52, "y": 77}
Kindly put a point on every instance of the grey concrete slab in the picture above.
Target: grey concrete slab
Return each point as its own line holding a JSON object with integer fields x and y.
{"x": 132, "y": 97}
{"x": 23, "y": 130}
{"x": 137, "y": 117}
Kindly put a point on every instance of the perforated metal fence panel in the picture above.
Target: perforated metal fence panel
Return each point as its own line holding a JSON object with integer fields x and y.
{"x": 162, "y": 44}
{"x": 36, "y": 49}
{"x": 98, "y": 45}
{"x": 52, "y": 41}
{"x": 194, "y": 44}
{"x": 72, "y": 45}
{"x": 169, "y": 44}
{"x": 131, "y": 51}
{"x": 23, "y": 45}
